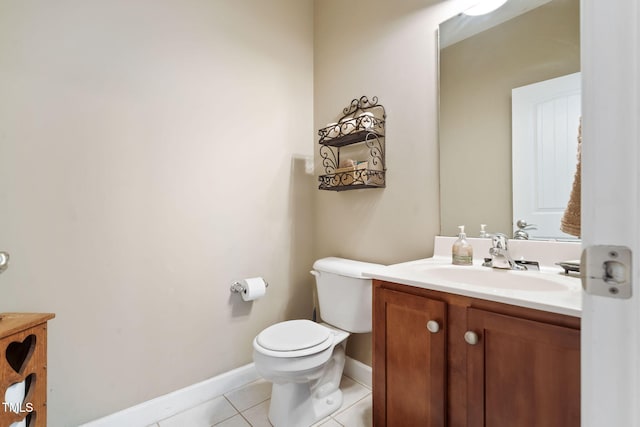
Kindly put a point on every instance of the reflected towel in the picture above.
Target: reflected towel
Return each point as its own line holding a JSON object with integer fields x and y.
{"x": 570, "y": 222}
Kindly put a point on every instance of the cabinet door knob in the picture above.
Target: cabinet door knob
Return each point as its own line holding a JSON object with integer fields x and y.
{"x": 433, "y": 326}
{"x": 471, "y": 337}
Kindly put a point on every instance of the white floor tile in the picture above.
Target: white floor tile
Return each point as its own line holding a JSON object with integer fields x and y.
{"x": 236, "y": 421}
{"x": 253, "y": 401}
{"x": 205, "y": 414}
{"x": 250, "y": 395}
{"x": 258, "y": 415}
{"x": 358, "y": 415}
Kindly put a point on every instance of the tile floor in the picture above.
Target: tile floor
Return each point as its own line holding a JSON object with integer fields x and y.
{"x": 248, "y": 405}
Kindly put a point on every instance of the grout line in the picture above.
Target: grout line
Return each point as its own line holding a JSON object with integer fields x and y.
{"x": 355, "y": 380}
{"x": 258, "y": 404}
{"x": 228, "y": 418}
{"x": 244, "y": 418}
{"x": 253, "y": 406}
{"x": 231, "y": 403}
{"x": 343, "y": 410}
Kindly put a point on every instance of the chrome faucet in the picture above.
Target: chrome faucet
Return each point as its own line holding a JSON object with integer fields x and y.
{"x": 500, "y": 257}
{"x": 522, "y": 232}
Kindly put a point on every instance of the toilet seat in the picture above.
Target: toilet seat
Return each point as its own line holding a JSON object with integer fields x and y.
{"x": 293, "y": 338}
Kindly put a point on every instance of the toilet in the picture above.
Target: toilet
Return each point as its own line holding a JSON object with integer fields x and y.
{"x": 303, "y": 359}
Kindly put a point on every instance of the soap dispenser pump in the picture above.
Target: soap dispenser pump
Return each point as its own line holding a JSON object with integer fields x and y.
{"x": 462, "y": 251}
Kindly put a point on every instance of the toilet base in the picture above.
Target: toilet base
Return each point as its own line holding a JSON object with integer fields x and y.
{"x": 293, "y": 406}
{"x": 301, "y": 404}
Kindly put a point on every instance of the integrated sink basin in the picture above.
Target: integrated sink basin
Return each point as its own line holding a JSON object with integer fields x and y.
{"x": 549, "y": 289}
{"x": 487, "y": 277}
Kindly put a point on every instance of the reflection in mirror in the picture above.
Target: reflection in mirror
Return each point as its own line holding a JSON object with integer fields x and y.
{"x": 523, "y": 42}
{"x": 545, "y": 122}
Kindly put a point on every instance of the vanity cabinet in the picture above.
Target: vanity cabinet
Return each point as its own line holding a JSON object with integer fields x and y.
{"x": 441, "y": 359}
{"x": 413, "y": 361}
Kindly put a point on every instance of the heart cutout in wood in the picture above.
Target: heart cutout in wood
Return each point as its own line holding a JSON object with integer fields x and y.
{"x": 31, "y": 419}
{"x": 19, "y": 353}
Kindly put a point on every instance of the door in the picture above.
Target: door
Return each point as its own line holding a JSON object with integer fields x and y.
{"x": 409, "y": 358}
{"x": 522, "y": 373}
{"x": 611, "y": 206}
{"x": 545, "y": 121}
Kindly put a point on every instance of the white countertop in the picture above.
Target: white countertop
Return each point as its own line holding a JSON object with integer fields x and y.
{"x": 557, "y": 293}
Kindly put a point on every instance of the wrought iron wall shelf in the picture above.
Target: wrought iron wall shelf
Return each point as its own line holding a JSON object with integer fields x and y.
{"x": 363, "y": 121}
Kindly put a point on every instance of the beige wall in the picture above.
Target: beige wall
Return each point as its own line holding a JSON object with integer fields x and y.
{"x": 387, "y": 49}
{"x": 146, "y": 159}
{"x": 146, "y": 162}
{"x": 477, "y": 76}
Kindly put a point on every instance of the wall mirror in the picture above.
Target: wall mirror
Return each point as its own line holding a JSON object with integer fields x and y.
{"x": 482, "y": 60}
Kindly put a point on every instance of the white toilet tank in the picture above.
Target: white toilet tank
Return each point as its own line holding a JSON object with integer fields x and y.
{"x": 344, "y": 294}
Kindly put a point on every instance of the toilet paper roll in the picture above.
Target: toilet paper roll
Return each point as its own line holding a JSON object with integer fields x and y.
{"x": 15, "y": 393}
{"x": 254, "y": 288}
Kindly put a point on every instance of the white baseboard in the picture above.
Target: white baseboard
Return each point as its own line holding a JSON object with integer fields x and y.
{"x": 162, "y": 407}
{"x": 359, "y": 371}
{"x": 165, "y": 406}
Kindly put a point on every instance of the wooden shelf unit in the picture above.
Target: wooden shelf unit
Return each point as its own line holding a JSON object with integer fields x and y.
{"x": 23, "y": 342}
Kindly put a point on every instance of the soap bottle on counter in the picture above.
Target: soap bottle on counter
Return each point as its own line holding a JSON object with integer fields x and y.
{"x": 462, "y": 251}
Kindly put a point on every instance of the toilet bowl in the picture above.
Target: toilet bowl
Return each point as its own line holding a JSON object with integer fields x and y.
{"x": 303, "y": 359}
{"x": 305, "y": 380}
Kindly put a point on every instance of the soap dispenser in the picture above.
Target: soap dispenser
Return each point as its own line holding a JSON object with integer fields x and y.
{"x": 462, "y": 251}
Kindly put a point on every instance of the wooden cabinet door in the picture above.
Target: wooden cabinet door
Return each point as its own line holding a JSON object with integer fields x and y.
{"x": 522, "y": 373}
{"x": 409, "y": 360}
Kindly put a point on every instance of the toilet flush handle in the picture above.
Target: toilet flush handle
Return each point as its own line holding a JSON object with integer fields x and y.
{"x": 314, "y": 273}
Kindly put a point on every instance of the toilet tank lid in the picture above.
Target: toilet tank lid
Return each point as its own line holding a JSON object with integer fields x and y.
{"x": 345, "y": 267}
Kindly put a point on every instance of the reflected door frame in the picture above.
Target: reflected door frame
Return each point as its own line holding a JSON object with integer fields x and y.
{"x": 545, "y": 121}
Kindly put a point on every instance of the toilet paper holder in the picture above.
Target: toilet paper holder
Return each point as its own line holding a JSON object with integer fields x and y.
{"x": 238, "y": 287}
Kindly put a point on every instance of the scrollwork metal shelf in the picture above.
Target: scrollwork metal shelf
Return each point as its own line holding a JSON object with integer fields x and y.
{"x": 363, "y": 121}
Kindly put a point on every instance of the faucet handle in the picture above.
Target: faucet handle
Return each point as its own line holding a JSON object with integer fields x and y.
{"x": 524, "y": 225}
{"x": 499, "y": 241}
